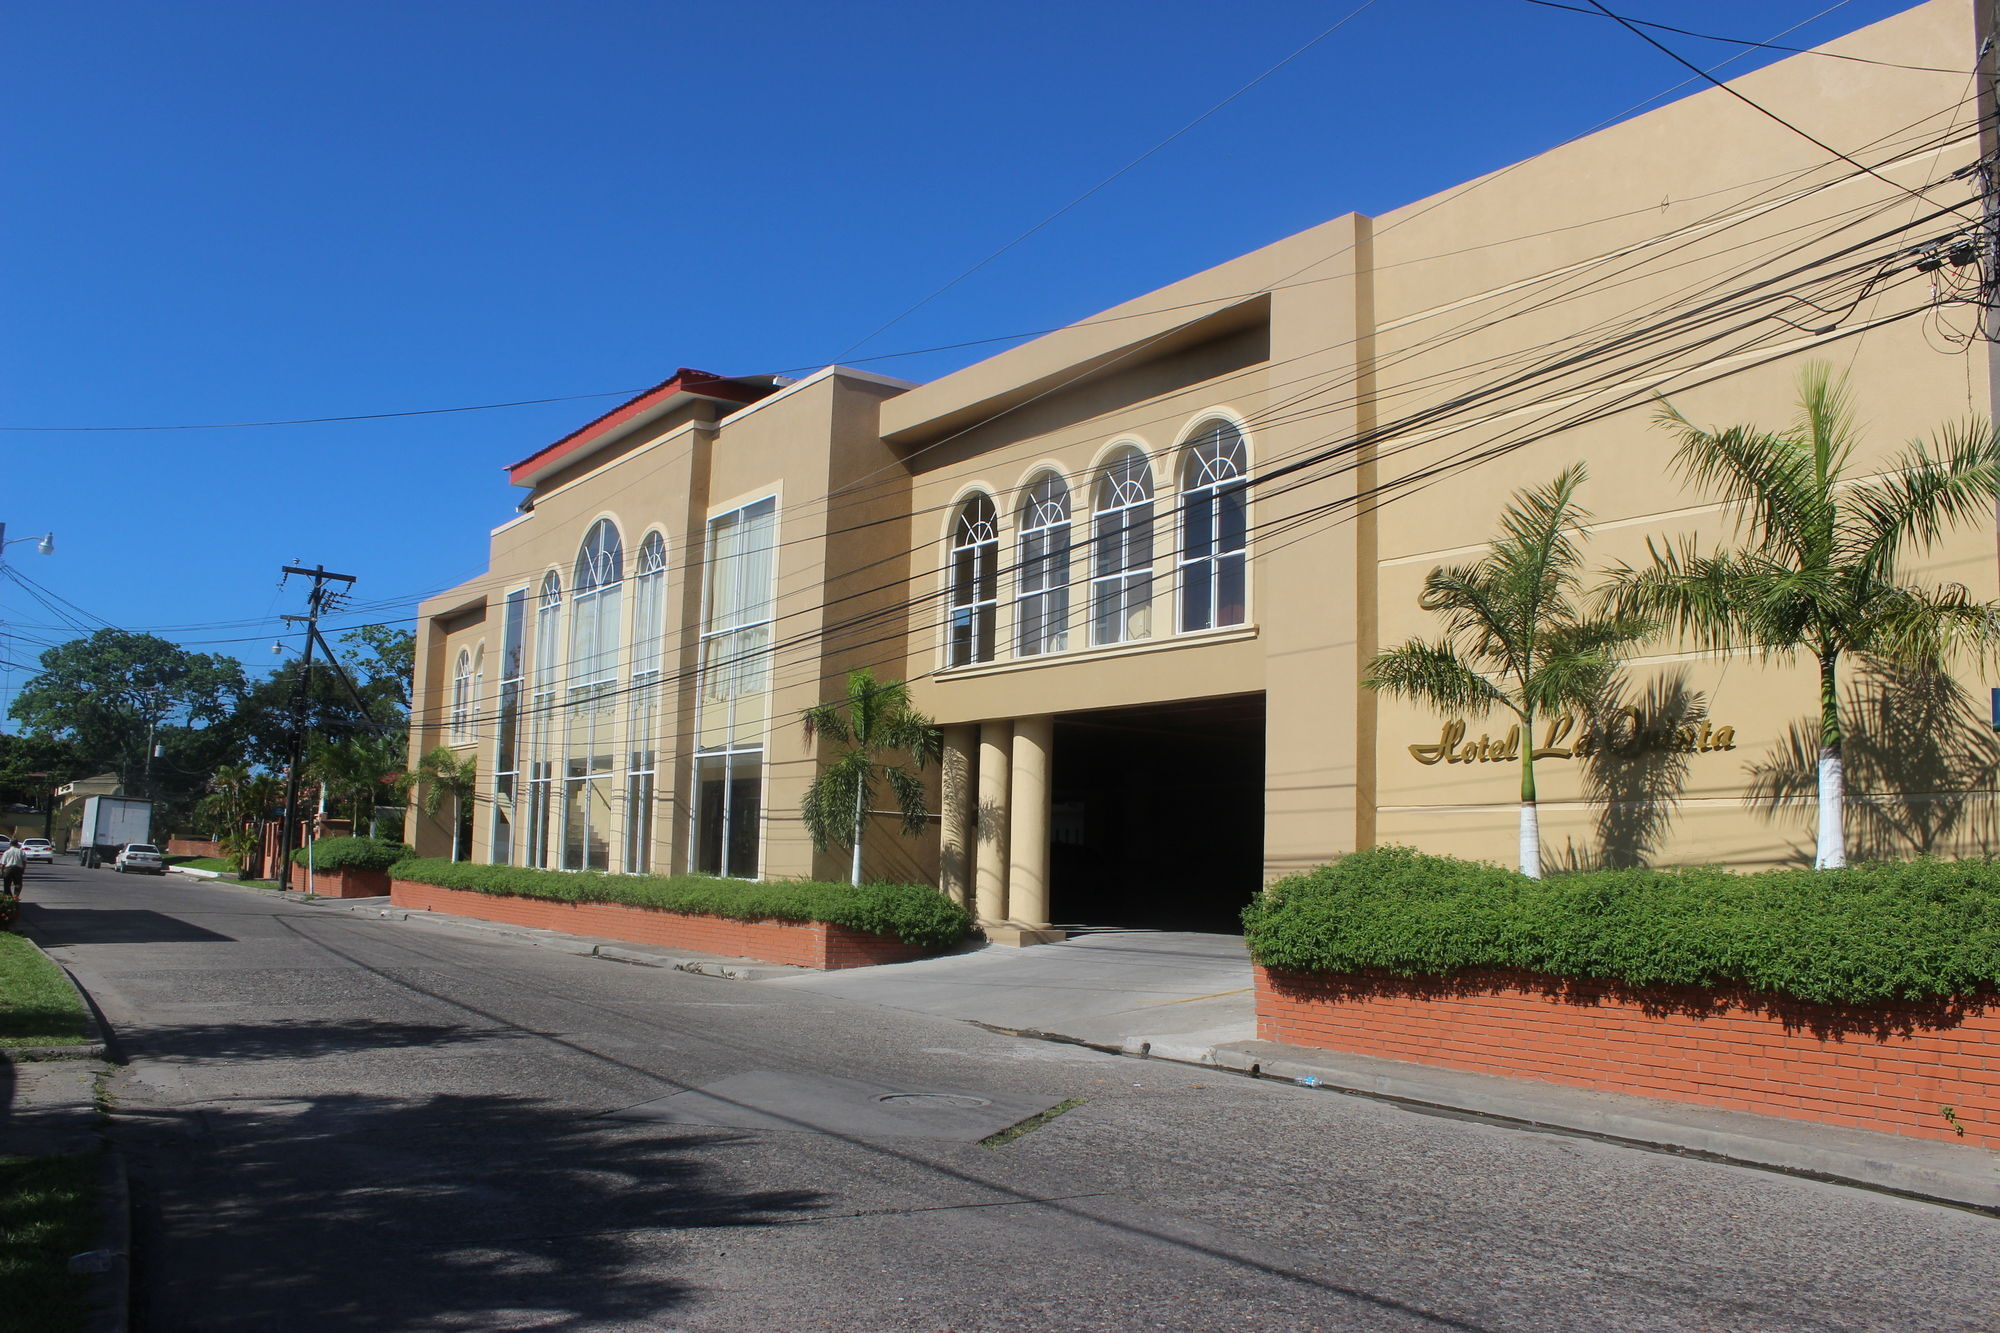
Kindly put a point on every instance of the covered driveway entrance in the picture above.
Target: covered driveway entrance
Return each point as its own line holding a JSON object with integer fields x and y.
{"x": 1157, "y": 815}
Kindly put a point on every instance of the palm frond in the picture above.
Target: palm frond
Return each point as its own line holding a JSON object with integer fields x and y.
{"x": 1433, "y": 673}
{"x": 1769, "y": 478}
{"x": 1925, "y": 492}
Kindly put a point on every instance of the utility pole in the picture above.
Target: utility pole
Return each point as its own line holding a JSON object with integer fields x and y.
{"x": 320, "y": 601}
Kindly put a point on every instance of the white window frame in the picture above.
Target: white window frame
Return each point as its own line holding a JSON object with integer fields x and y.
{"x": 1122, "y": 578}
{"x": 973, "y": 565}
{"x": 1214, "y": 467}
{"x": 735, "y": 655}
{"x": 1042, "y": 572}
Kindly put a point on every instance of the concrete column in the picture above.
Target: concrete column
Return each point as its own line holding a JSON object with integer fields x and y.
{"x": 989, "y": 874}
{"x": 955, "y": 815}
{"x": 1028, "y": 828}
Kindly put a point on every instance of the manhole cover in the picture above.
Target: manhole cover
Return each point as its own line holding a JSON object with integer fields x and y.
{"x": 924, "y": 1099}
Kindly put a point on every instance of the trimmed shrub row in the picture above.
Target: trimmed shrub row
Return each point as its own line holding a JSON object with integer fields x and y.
{"x": 912, "y": 913}
{"x": 1868, "y": 934}
{"x": 347, "y": 853}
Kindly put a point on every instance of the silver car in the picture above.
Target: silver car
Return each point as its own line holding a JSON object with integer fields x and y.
{"x": 143, "y": 857}
{"x": 38, "y": 849}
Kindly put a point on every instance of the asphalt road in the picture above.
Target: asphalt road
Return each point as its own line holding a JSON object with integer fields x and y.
{"x": 342, "y": 1123}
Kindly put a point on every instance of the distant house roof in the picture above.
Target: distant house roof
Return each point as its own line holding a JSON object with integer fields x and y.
{"x": 687, "y": 385}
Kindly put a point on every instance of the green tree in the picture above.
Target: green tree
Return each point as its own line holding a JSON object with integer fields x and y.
{"x": 382, "y": 659}
{"x": 31, "y": 767}
{"x": 1818, "y": 573}
{"x": 876, "y": 735}
{"x": 159, "y": 716}
{"x": 1517, "y": 635}
{"x": 106, "y": 693}
{"x": 441, "y": 774}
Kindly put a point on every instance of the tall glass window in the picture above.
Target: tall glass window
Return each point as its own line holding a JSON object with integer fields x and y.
{"x": 1214, "y": 528}
{"x": 1041, "y": 600}
{"x": 596, "y": 601}
{"x": 507, "y": 726}
{"x": 461, "y": 698}
{"x": 649, "y": 609}
{"x": 542, "y": 728}
{"x": 732, "y": 701}
{"x": 975, "y": 582}
{"x": 1121, "y": 584}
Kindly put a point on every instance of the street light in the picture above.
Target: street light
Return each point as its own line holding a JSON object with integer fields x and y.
{"x": 45, "y": 544}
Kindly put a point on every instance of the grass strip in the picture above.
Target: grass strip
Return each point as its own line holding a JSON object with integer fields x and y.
{"x": 1031, "y": 1124}
{"x": 38, "y": 1006}
{"x": 48, "y": 1212}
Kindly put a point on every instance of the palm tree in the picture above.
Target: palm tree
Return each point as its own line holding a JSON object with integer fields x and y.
{"x": 439, "y": 774}
{"x": 1819, "y": 571}
{"x": 1515, "y": 636}
{"x": 875, "y": 719}
{"x": 355, "y": 769}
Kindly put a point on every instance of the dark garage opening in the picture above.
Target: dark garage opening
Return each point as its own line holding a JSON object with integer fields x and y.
{"x": 1158, "y": 818}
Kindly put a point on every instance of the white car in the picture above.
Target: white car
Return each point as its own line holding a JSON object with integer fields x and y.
{"x": 38, "y": 849}
{"x": 140, "y": 856}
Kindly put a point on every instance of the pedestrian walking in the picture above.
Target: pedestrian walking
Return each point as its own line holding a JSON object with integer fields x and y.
{"x": 13, "y": 868}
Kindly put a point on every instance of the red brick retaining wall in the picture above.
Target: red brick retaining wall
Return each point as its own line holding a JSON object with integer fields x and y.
{"x": 803, "y": 944}
{"x": 193, "y": 847}
{"x": 1887, "y": 1068}
{"x": 351, "y": 882}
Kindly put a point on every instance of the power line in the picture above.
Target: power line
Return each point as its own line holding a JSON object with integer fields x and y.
{"x": 1760, "y": 46}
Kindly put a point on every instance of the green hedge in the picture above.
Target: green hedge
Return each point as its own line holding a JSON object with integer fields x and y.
{"x": 353, "y": 854}
{"x": 1914, "y": 930}
{"x": 914, "y": 914}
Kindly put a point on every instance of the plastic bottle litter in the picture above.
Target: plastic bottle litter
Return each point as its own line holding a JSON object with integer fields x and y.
{"x": 1307, "y": 1080}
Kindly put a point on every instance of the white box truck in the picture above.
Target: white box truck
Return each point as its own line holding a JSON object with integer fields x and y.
{"x": 109, "y": 822}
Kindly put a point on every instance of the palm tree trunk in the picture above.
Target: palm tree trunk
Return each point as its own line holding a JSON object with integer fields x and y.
{"x": 1531, "y": 824}
{"x": 1832, "y": 850}
{"x": 860, "y": 797}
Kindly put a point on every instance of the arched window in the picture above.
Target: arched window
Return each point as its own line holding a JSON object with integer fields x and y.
{"x": 595, "y": 603}
{"x": 1041, "y": 599}
{"x": 543, "y": 731}
{"x": 975, "y": 580}
{"x": 649, "y": 605}
{"x": 461, "y": 697}
{"x": 1214, "y": 527}
{"x": 1121, "y": 584}
{"x": 478, "y": 690}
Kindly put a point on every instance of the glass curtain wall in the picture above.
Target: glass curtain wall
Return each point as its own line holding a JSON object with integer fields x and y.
{"x": 733, "y": 701}
{"x": 649, "y": 606}
{"x": 542, "y": 722}
{"x": 1214, "y": 528}
{"x": 597, "y": 587}
{"x": 507, "y": 726}
{"x": 1121, "y": 586}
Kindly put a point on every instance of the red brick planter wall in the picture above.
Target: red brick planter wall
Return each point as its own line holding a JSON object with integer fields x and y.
{"x": 193, "y": 847}
{"x": 1887, "y": 1068}
{"x": 803, "y": 944}
{"x": 348, "y": 883}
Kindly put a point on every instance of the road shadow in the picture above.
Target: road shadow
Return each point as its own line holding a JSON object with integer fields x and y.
{"x": 359, "y": 1212}
{"x": 270, "y": 1037}
{"x": 59, "y": 926}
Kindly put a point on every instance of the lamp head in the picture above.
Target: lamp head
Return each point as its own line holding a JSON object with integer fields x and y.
{"x": 47, "y": 545}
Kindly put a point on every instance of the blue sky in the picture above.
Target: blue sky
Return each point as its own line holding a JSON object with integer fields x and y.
{"x": 238, "y": 212}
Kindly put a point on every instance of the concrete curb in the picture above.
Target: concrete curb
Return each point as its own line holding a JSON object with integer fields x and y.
{"x": 92, "y": 1047}
{"x": 194, "y": 874}
{"x": 1922, "y": 1169}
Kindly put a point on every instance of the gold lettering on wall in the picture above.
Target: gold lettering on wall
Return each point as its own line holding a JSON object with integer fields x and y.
{"x": 1451, "y": 746}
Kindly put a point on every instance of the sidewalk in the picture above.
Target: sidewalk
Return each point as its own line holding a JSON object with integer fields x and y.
{"x": 1187, "y": 998}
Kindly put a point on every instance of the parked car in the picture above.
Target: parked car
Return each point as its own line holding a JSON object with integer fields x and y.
{"x": 140, "y": 856}
{"x": 38, "y": 849}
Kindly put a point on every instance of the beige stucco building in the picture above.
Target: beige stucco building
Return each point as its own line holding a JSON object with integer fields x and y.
{"x": 1134, "y": 568}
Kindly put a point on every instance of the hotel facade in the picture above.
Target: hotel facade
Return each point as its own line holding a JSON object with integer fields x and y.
{"x": 1134, "y": 568}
